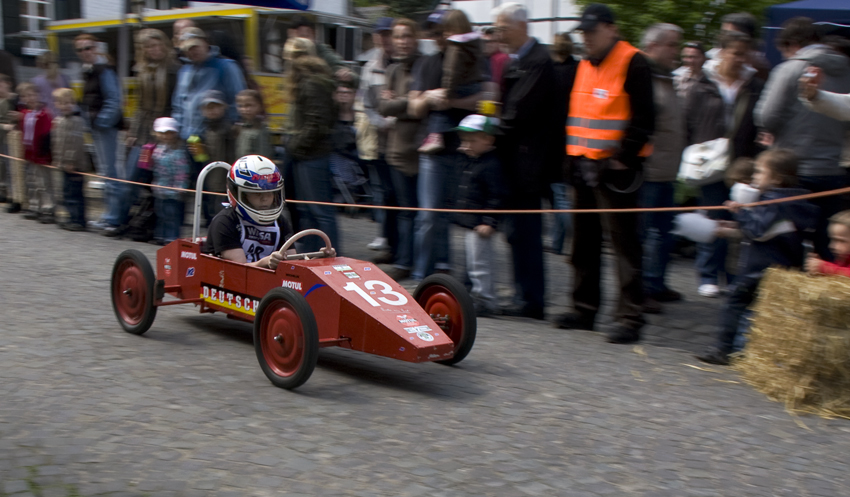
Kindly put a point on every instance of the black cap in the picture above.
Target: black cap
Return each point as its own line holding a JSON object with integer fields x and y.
{"x": 593, "y": 15}
{"x": 384, "y": 24}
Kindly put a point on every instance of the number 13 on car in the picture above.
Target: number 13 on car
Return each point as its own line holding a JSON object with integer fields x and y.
{"x": 384, "y": 288}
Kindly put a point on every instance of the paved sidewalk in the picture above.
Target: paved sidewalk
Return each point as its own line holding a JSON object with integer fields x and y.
{"x": 86, "y": 409}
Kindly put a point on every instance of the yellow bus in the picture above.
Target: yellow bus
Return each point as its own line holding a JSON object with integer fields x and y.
{"x": 256, "y": 32}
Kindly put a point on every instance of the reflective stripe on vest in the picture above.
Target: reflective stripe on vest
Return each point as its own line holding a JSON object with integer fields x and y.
{"x": 600, "y": 109}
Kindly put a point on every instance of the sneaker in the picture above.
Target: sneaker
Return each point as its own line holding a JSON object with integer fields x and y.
{"x": 623, "y": 334}
{"x": 112, "y": 231}
{"x": 398, "y": 273}
{"x": 714, "y": 356}
{"x": 97, "y": 225}
{"x": 13, "y": 208}
{"x": 573, "y": 321}
{"x": 709, "y": 290}
{"x": 652, "y": 306}
{"x": 667, "y": 295}
{"x": 432, "y": 144}
{"x": 379, "y": 243}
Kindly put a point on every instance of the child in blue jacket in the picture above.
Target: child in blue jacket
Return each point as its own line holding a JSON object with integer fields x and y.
{"x": 772, "y": 236}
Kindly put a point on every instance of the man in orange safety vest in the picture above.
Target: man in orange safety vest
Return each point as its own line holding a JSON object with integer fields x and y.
{"x": 610, "y": 120}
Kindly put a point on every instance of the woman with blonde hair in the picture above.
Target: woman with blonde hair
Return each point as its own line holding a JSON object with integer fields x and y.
{"x": 156, "y": 71}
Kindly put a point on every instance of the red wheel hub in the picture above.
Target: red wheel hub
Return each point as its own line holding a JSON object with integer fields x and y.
{"x": 437, "y": 300}
{"x": 282, "y": 339}
{"x": 129, "y": 292}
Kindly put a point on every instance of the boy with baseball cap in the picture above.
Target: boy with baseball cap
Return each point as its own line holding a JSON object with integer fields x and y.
{"x": 481, "y": 188}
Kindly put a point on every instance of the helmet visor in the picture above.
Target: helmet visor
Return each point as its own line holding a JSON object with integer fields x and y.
{"x": 270, "y": 201}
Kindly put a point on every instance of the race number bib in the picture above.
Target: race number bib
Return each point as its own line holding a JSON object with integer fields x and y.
{"x": 259, "y": 241}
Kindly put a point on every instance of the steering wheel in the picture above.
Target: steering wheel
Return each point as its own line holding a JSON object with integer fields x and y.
{"x": 327, "y": 250}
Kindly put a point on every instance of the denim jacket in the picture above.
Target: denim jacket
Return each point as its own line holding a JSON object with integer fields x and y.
{"x": 193, "y": 80}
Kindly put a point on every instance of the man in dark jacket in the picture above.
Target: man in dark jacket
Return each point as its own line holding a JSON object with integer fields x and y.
{"x": 531, "y": 151}
{"x": 817, "y": 139}
{"x": 611, "y": 119}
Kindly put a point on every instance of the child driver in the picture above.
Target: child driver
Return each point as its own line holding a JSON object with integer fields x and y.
{"x": 251, "y": 229}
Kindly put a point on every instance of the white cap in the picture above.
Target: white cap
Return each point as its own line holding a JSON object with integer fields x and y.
{"x": 163, "y": 124}
{"x": 477, "y": 122}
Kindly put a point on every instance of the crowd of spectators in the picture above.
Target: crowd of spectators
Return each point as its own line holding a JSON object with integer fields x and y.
{"x": 494, "y": 119}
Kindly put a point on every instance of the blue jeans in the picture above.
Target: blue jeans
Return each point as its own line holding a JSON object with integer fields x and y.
{"x": 829, "y": 206}
{"x": 711, "y": 257}
{"x": 313, "y": 182}
{"x": 128, "y": 192}
{"x": 106, "y": 145}
{"x": 562, "y": 224}
{"x": 387, "y": 219}
{"x": 169, "y": 219}
{"x": 656, "y": 237}
{"x": 73, "y": 198}
{"x": 437, "y": 174}
{"x": 741, "y": 294}
{"x": 405, "y": 190}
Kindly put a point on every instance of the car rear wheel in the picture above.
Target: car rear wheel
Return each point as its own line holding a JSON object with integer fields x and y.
{"x": 286, "y": 338}
{"x": 133, "y": 291}
{"x": 450, "y": 305}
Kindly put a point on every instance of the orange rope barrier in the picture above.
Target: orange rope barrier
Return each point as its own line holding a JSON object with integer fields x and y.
{"x": 807, "y": 196}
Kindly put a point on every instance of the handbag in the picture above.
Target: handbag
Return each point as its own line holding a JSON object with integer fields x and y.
{"x": 704, "y": 163}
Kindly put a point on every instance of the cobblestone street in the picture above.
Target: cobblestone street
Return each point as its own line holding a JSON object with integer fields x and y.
{"x": 87, "y": 409}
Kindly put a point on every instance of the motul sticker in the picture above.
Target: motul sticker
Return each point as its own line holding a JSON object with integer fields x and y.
{"x": 417, "y": 329}
{"x": 185, "y": 254}
{"x": 403, "y": 319}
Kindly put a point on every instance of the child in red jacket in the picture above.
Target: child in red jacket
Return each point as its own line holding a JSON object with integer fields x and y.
{"x": 35, "y": 128}
{"x": 839, "y": 235}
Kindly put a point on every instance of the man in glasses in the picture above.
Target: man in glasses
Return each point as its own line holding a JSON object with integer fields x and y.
{"x": 101, "y": 106}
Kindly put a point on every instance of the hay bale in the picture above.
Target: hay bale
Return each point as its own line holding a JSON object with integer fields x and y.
{"x": 798, "y": 351}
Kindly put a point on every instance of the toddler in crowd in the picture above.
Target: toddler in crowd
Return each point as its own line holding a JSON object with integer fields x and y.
{"x": 464, "y": 68}
{"x": 772, "y": 235}
{"x": 170, "y": 168}
{"x": 839, "y": 236}
{"x": 481, "y": 188}
{"x": 252, "y": 133}
{"x": 218, "y": 145}
{"x": 35, "y": 127}
{"x": 69, "y": 155}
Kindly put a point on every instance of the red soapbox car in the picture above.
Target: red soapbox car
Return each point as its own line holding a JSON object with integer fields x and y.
{"x": 310, "y": 301}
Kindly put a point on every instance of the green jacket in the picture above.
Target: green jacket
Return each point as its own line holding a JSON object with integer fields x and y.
{"x": 313, "y": 119}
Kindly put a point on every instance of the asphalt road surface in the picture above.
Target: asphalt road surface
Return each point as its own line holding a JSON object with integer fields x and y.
{"x": 86, "y": 409}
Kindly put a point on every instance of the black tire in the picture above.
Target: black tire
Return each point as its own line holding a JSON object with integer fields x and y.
{"x": 132, "y": 288}
{"x": 434, "y": 290}
{"x": 288, "y": 360}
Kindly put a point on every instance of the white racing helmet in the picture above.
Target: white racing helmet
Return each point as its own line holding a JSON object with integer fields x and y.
{"x": 255, "y": 174}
